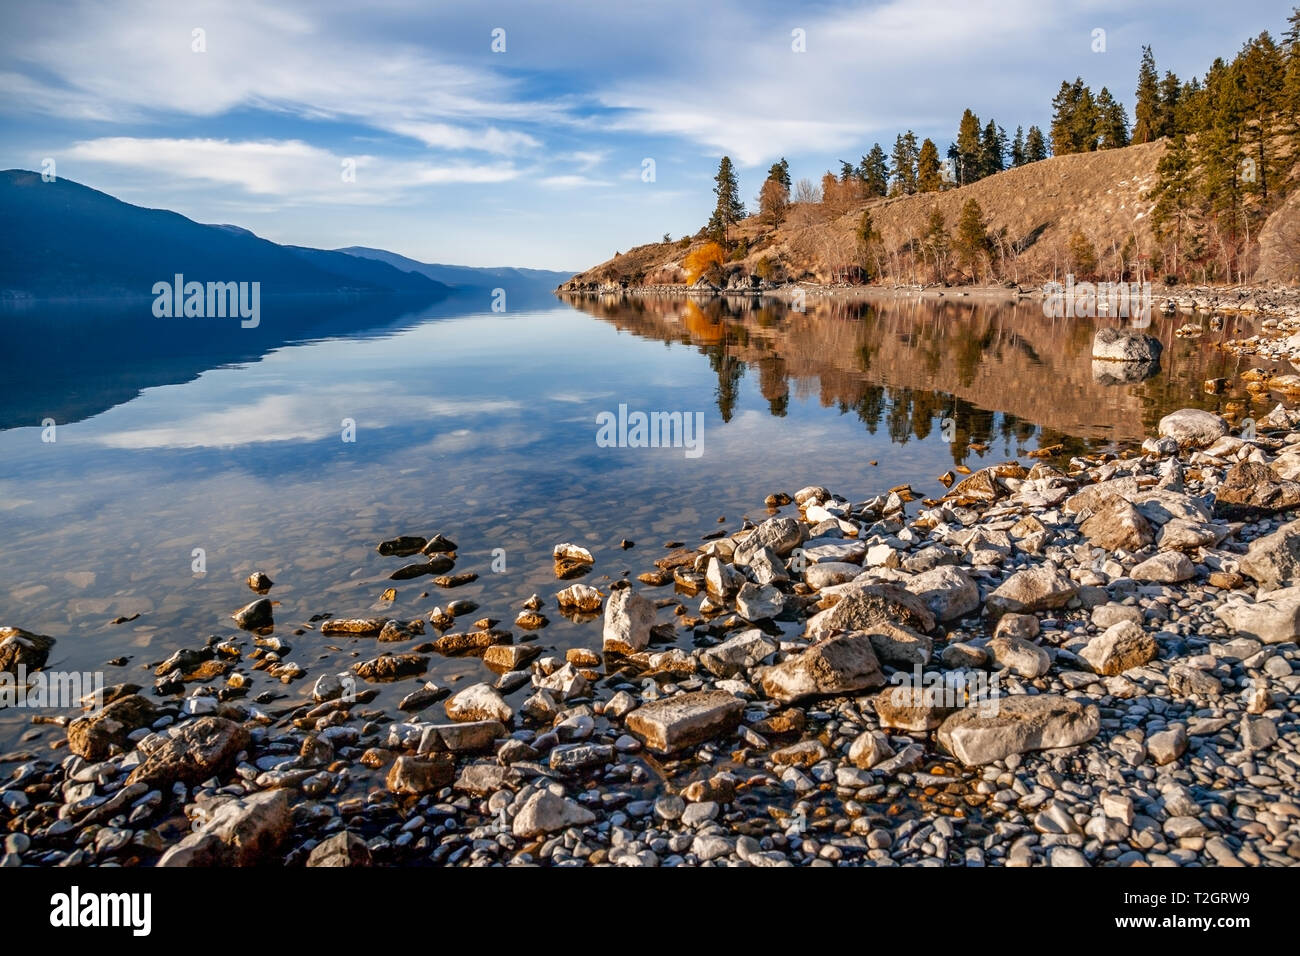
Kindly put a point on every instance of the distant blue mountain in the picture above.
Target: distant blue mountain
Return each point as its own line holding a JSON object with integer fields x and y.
{"x": 64, "y": 240}
{"x": 465, "y": 276}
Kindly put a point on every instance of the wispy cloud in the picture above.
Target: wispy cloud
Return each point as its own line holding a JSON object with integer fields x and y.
{"x": 288, "y": 170}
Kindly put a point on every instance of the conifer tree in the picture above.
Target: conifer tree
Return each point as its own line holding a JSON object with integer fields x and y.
{"x": 1035, "y": 145}
{"x": 729, "y": 210}
{"x": 1111, "y": 131}
{"x": 971, "y": 243}
{"x": 928, "y": 178}
{"x": 1148, "y": 112}
{"x": 1174, "y": 194}
{"x": 1018, "y": 155}
{"x": 1171, "y": 95}
{"x": 781, "y": 173}
{"x": 874, "y": 171}
{"x": 903, "y": 162}
{"x": 967, "y": 149}
{"x": 993, "y": 149}
{"x": 1261, "y": 76}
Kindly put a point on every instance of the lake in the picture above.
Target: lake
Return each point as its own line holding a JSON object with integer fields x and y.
{"x": 176, "y": 438}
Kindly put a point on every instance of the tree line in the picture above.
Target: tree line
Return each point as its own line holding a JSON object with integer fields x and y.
{"x": 1232, "y": 136}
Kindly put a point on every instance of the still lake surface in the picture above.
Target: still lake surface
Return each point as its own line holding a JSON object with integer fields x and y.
{"x": 181, "y": 434}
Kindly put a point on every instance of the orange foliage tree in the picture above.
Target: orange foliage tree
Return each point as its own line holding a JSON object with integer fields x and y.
{"x": 705, "y": 261}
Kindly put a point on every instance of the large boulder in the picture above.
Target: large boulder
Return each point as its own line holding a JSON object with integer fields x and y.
{"x": 1030, "y": 591}
{"x": 842, "y": 664}
{"x": 1122, "y": 345}
{"x": 1117, "y": 526}
{"x": 947, "y": 591}
{"x": 544, "y": 813}
{"x": 94, "y": 735}
{"x": 863, "y": 607}
{"x": 342, "y": 849}
{"x": 628, "y": 620}
{"x": 240, "y": 832}
{"x": 738, "y": 655}
{"x": 1193, "y": 428}
{"x": 1043, "y": 722}
{"x": 1252, "y": 488}
{"x": 477, "y": 703}
{"x": 1123, "y": 646}
{"x": 781, "y": 535}
{"x": 1167, "y": 567}
{"x": 683, "y": 720}
{"x": 190, "y": 753}
{"x": 23, "y": 647}
{"x": 1274, "y": 560}
{"x": 1274, "y": 618}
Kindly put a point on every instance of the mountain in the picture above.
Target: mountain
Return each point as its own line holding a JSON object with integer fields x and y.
{"x": 65, "y": 240}
{"x": 461, "y": 275}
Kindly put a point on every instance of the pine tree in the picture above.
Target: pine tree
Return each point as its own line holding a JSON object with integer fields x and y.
{"x": 1084, "y": 125}
{"x": 1018, "y": 155}
{"x": 1261, "y": 74}
{"x": 1083, "y": 255}
{"x": 874, "y": 171}
{"x": 847, "y": 172}
{"x": 1174, "y": 194}
{"x": 1221, "y": 126}
{"x": 1148, "y": 111}
{"x": 993, "y": 149}
{"x": 1171, "y": 94}
{"x": 781, "y": 173}
{"x": 903, "y": 162}
{"x": 1064, "y": 107}
{"x": 1035, "y": 145}
{"x": 729, "y": 209}
{"x": 967, "y": 149}
{"x": 1291, "y": 87}
{"x": 928, "y": 178}
{"x": 934, "y": 242}
{"x": 1111, "y": 131}
{"x": 972, "y": 241}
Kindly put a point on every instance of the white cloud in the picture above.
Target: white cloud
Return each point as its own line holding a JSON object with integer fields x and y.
{"x": 288, "y": 170}
{"x": 571, "y": 181}
{"x": 446, "y": 136}
{"x": 308, "y": 415}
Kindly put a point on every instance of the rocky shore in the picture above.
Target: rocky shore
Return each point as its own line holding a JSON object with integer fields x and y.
{"x": 1278, "y": 301}
{"x": 1072, "y": 663}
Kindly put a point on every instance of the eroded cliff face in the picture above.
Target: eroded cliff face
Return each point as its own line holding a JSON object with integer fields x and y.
{"x": 1279, "y": 244}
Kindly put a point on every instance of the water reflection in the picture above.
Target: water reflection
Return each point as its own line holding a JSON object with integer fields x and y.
{"x": 1000, "y": 370}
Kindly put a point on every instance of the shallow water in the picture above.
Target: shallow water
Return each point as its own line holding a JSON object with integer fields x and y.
{"x": 173, "y": 437}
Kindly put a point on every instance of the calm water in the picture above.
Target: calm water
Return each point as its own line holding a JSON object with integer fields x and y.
{"x": 174, "y": 435}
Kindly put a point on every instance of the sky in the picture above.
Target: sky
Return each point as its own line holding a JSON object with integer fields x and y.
{"x": 540, "y": 134}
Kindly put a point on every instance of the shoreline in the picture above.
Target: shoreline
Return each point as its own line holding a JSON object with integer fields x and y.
{"x": 1146, "y": 686}
{"x": 1279, "y": 302}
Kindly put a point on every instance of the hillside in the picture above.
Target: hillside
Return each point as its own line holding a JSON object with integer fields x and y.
{"x": 1031, "y": 212}
{"x": 468, "y": 276}
{"x": 65, "y": 240}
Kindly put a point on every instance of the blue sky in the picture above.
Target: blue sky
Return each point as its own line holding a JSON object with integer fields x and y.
{"x": 534, "y": 156}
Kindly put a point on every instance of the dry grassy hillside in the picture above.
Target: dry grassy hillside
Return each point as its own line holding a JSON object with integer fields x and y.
{"x": 1032, "y": 212}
